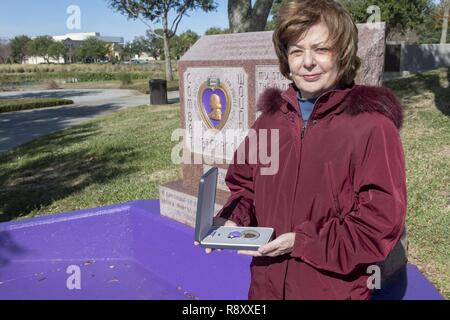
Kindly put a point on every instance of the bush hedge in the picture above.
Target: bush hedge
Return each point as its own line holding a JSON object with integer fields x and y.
{"x": 8, "y": 105}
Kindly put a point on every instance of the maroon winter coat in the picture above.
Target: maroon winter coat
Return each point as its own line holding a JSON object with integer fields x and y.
{"x": 340, "y": 187}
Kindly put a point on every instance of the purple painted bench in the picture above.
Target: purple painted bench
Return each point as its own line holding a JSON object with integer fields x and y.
{"x": 129, "y": 251}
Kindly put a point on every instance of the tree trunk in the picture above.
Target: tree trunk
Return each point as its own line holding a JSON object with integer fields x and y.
{"x": 169, "y": 75}
{"x": 445, "y": 22}
{"x": 260, "y": 13}
{"x": 239, "y": 15}
{"x": 245, "y": 18}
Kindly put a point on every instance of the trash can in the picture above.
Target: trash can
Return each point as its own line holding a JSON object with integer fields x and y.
{"x": 158, "y": 91}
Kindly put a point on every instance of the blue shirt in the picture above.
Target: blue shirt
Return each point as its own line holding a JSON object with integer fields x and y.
{"x": 306, "y": 106}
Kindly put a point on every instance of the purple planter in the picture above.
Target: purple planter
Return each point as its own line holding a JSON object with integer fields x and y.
{"x": 129, "y": 251}
{"x": 125, "y": 251}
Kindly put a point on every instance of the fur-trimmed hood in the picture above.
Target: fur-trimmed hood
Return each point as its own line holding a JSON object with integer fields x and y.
{"x": 354, "y": 100}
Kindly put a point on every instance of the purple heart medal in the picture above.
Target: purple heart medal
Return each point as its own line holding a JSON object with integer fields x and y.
{"x": 214, "y": 103}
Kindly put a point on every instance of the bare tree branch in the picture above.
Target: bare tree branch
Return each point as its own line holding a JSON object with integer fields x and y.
{"x": 137, "y": 16}
{"x": 158, "y": 11}
{"x": 177, "y": 20}
{"x": 180, "y": 14}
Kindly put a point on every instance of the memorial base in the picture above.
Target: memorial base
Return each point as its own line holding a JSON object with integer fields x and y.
{"x": 179, "y": 202}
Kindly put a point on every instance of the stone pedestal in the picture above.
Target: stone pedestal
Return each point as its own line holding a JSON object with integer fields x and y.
{"x": 179, "y": 202}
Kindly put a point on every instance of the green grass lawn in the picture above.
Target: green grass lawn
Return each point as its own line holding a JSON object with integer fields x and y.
{"x": 126, "y": 156}
{"x": 8, "y": 105}
{"x": 114, "y": 158}
{"x": 426, "y": 139}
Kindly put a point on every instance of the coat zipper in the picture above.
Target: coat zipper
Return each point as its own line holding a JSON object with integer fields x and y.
{"x": 302, "y": 135}
{"x": 303, "y": 131}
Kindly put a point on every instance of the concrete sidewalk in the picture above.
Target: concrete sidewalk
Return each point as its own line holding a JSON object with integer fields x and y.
{"x": 20, "y": 127}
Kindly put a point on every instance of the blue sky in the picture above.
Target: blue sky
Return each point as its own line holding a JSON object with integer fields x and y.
{"x": 48, "y": 17}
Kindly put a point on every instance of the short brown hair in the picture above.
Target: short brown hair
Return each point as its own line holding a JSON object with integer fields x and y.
{"x": 297, "y": 16}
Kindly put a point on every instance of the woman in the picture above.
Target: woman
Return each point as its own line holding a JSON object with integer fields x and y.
{"x": 338, "y": 201}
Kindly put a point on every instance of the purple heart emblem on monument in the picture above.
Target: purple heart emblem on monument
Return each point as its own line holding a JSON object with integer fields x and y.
{"x": 214, "y": 103}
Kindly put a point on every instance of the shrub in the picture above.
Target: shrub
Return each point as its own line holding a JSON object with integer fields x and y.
{"x": 125, "y": 78}
{"x": 52, "y": 85}
{"x": 8, "y": 105}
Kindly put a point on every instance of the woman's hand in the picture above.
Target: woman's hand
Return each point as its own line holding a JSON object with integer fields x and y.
{"x": 218, "y": 222}
{"x": 281, "y": 245}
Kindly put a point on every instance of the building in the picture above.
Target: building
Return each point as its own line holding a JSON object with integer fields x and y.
{"x": 82, "y": 36}
{"x": 142, "y": 58}
{"x": 74, "y": 40}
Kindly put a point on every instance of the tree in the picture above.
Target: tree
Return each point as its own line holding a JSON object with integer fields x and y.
{"x": 183, "y": 42}
{"x": 276, "y": 8}
{"x": 270, "y": 25}
{"x": 156, "y": 43}
{"x": 140, "y": 44}
{"x": 243, "y": 17}
{"x": 431, "y": 30}
{"x": 40, "y": 47}
{"x": 20, "y": 48}
{"x": 216, "y": 30}
{"x": 5, "y": 52}
{"x": 158, "y": 11}
{"x": 401, "y": 16}
{"x": 150, "y": 44}
{"x": 92, "y": 50}
{"x": 446, "y": 8}
{"x": 57, "y": 50}
{"x": 410, "y": 21}
{"x": 136, "y": 47}
{"x": 127, "y": 51}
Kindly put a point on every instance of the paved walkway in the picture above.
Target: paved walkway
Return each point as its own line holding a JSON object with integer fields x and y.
{"x": 20, "y": 127}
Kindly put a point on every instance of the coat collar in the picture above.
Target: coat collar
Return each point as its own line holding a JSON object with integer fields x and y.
{"x": 353, "y": 100}
{"x": 325, "y": 103}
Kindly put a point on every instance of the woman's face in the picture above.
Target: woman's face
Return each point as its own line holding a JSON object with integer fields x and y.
{"x": 312, "y": 63}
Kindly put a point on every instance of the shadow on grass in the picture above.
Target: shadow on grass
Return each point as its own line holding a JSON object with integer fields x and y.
{"x": 425, "y": 81}
{"x": 50, "y": 176}
{"x": 17, "y": 128}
